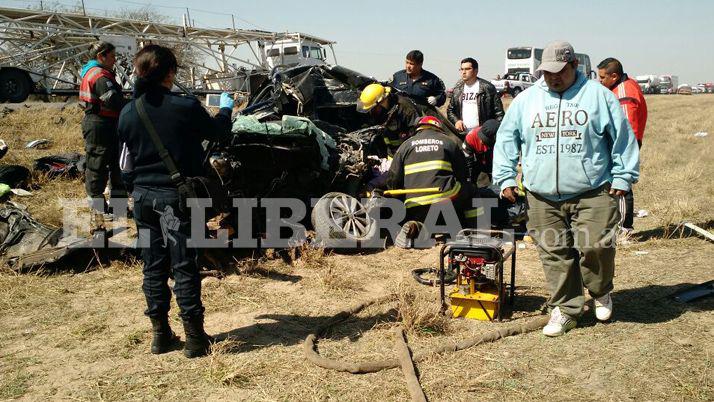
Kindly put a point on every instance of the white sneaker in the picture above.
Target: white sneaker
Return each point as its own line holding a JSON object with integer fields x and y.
{"x": 603, "y": 307}
{"x": 625, "y": 236}
{"x": 558, "y": 324}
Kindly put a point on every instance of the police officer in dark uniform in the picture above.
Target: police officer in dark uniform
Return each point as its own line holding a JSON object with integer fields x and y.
{"x": 181, "y": 124}
{"x": 421, "y": 85}
{"x": 102, "y": 99}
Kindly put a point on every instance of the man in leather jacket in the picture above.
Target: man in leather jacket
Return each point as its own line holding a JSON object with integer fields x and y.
{"x": 473, "y": 100}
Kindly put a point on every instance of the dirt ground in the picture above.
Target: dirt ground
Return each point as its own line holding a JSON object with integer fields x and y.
{"x": 80, "y": 334}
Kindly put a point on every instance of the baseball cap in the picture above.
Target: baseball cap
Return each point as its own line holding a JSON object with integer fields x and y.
{"x": 555, "y": 56}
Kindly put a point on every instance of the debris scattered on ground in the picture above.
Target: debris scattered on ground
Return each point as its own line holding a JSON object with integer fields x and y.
{"x": 15, "y": 176}
{"x": 642, "y": 213}
{"x": 3, "y": 148}
{"x": 5, "y": 111}
{"x": 26, "y": 243}
{"x": 43, "y": 143}
{"x": 20, "y": 192}
{"x": 5, "y": 190}
{"x": 694, "y": 292}
{"x": 68, "y": 165}
{"x": 699, "y": 230}
{"x": 641, "y": 252}
{"x": 58, "y": 120}
{"x": 701, "y": 134}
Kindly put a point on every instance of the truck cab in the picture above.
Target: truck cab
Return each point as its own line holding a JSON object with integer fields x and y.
{"x": 293, "y": 51}
{"x": 648, "y": 83}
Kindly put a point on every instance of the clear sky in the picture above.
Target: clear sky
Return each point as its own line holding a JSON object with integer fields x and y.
{"x": 648, "y": 36}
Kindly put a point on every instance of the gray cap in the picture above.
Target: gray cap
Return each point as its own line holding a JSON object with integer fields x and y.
{"x": 555, "y": 56}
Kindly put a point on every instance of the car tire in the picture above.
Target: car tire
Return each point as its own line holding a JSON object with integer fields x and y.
{"x": 516, "y": 91}
{"x": 339, "y": 218}
{"x": 14, "y": 86}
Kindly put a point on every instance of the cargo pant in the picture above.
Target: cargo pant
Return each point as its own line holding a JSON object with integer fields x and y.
{"x": 576, "y": 243}
{"x": 163, "y": 235}
{"x": 101, "y": 145}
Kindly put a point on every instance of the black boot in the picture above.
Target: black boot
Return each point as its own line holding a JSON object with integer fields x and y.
{"x": 198, "y": 343}
{"x": 164, "y": 337}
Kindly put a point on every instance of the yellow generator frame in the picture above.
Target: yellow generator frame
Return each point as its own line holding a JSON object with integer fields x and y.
{"x": 468, "y": 299}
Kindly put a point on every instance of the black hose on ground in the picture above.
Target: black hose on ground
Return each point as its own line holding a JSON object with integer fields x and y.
{"x": 418, "y": 275}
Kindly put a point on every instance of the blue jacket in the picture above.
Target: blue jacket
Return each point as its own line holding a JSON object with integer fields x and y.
{"x": 181, "y": 123}
{"x": 570, "y": 143}
{"x": 421, "y": 88}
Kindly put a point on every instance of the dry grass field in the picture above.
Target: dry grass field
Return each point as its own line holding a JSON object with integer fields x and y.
{"x": 81, "y": 335}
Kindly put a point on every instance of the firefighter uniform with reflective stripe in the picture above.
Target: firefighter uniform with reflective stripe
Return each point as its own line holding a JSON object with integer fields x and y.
{"x": 102, "y": 100}
{"x": 400, "y": 122}
{"x": 434, "y": 163}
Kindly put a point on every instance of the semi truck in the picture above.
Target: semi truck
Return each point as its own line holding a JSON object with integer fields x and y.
{"x": 648, "y": 83}
{"x": 668, "y": 84}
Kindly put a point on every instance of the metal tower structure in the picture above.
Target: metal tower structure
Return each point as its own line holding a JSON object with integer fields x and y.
{"x": 43, "y": 51}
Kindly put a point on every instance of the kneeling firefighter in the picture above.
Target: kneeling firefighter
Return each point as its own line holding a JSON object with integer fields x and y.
{"x": 431, "y": 168}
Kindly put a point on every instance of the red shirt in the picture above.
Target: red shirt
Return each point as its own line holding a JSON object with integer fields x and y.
{"x": 633, "y": 105}
{"x": 483, "y": 154}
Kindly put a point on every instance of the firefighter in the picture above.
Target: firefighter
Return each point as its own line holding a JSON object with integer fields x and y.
{"x": 397, "y": 113}
{"x": 101, "y": 98}
{"x": 432, "y": 167}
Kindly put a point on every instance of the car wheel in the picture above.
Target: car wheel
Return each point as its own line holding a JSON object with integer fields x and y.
{"x": 516, "y": 91}
{"x": 341, "y": 221}
{"x": 14, "y": 86}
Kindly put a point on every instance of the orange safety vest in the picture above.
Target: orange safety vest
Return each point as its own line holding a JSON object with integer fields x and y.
{"x": 86, "y": 90}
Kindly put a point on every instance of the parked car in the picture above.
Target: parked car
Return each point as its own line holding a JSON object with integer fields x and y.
{"x": 514, "y": 83}
{"x": 684, "y": 89}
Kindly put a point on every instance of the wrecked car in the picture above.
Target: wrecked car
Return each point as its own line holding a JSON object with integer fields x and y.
{"x": 301, "y": 136}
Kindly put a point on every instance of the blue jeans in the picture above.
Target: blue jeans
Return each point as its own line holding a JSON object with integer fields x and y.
{"x": 156, "y": 212}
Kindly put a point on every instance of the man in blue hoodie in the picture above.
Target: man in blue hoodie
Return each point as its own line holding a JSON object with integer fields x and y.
{"x": 578, "y": 156}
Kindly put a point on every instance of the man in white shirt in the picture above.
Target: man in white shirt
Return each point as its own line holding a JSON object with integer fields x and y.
{"x": 469, "y": 106}
{"x": 473, "y": 100}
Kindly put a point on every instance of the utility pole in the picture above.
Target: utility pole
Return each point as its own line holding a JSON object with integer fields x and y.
{"x": 84, "y": 11}
{"x": 188, "y": 15}
{"x": 233, "y": 20}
